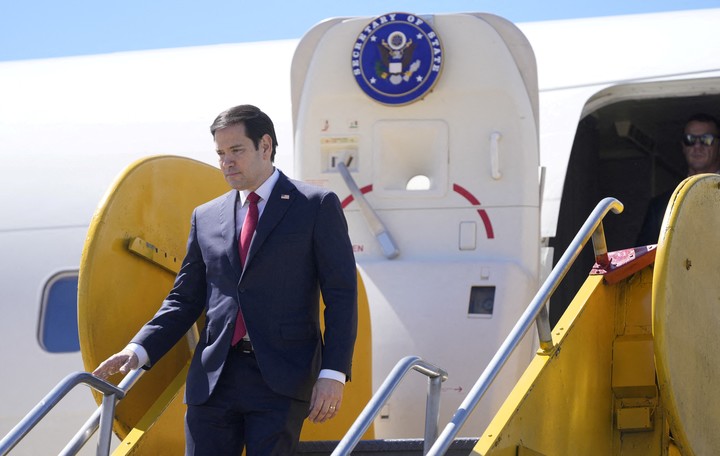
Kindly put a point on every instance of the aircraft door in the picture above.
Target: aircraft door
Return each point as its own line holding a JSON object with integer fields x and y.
{"x": 426, "y": 127}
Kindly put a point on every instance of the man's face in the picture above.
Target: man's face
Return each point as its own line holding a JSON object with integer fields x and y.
{"x": 244, "y": 166}
{"x": 700, "y": 157}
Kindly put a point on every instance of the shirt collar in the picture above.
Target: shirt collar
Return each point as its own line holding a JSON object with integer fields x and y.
{"x": 264, "y": 190}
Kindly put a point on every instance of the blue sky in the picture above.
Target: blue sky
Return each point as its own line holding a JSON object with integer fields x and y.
{"x": 52, "y": 28}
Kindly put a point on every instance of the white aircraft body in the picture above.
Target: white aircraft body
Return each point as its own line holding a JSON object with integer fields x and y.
{"x": 613, "y": 94}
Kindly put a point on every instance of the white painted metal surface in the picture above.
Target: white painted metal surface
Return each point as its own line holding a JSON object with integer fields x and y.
{"x": 422, "y": 297}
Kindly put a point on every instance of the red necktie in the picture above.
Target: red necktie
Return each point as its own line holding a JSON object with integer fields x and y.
{"x": 246, "y": 235}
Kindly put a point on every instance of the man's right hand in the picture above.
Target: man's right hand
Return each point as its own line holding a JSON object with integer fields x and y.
{"x": 122, "y": 362}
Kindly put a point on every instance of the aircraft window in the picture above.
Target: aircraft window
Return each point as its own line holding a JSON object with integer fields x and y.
{"x": 58, "y": 328}
{"x": 418, "y": 182}
{"x": 482, "y": 300}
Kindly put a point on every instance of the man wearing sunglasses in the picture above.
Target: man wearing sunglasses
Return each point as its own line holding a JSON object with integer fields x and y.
{"x": 701, "y": 148}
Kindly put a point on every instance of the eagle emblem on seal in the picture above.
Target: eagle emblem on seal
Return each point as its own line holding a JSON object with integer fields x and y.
{"x": 397, "y": 58}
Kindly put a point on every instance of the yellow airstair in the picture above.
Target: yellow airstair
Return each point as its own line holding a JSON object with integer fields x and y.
{"x": 634, "y": 364}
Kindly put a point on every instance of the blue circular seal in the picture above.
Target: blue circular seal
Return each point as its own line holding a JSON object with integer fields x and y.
{"x": 397, "y": 58}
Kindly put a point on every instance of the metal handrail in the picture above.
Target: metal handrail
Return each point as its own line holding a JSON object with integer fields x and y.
{"x": 432, "y": 408}
{"x": 91, "y": 425}
{"x": 378, "y": 228}
{"x": 102, "y": 417}
{"x": 535, "y": 310}
{"x": 110, "y": 394}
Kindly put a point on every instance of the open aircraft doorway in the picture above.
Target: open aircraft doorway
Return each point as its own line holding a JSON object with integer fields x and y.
{"x": 627, "y": 145}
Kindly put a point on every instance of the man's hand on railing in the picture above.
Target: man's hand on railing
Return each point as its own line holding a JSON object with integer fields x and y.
{"x": 122, "y": 362}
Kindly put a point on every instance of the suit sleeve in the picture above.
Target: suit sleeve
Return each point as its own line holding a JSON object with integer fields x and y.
{"x": 182, "y": 307}
{"x": 338, "y": 284}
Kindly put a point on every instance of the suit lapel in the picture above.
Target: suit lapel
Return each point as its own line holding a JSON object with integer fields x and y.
{"x": 227, "y": 229}
{"x": 282, "y": 196}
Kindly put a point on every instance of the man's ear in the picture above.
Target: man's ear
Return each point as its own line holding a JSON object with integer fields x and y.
{"x": 266, "y": 143}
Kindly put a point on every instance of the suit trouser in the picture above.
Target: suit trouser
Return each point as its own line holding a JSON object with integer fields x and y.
{"x": 244, "y": 412}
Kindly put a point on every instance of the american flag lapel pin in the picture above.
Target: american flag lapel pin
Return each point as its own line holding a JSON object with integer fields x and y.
{"x": 285, "y": 197}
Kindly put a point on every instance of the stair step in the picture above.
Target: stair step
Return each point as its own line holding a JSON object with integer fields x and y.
{"x": 390, "y": 447}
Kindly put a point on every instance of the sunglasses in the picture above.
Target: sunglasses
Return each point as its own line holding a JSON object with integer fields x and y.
{"x": 706, "y": 140}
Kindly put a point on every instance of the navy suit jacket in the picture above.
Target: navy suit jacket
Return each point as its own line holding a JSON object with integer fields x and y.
{"x": 301, "y": 248}
{"x": 650, "y": 230}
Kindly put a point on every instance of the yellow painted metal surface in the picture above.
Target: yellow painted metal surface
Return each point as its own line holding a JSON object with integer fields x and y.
{"x": 633, "y": 373}
{"x": 566, "y": 404}
{"x": 635, "y": 418}
{"x": 597, "y": 394}
{"x": 155, "y": 254}
{"x": 129, "y": 262}
{"x": 118, "y": 291}
{"x": 157, "y": 432}
{"x": 561, "y": 395}
{"x": 686, "y": 316}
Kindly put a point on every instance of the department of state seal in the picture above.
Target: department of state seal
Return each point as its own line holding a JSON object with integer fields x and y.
{"x": 397, "y": 58}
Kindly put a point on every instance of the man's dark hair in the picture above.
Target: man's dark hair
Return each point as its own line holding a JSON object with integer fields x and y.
{"x": 257, "y": 124}
{"x": 704, "y": 118}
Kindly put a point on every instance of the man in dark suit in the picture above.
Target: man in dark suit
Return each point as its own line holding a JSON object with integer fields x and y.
{"x": 701, "y": 148}
{"x": 261, "y": 365}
